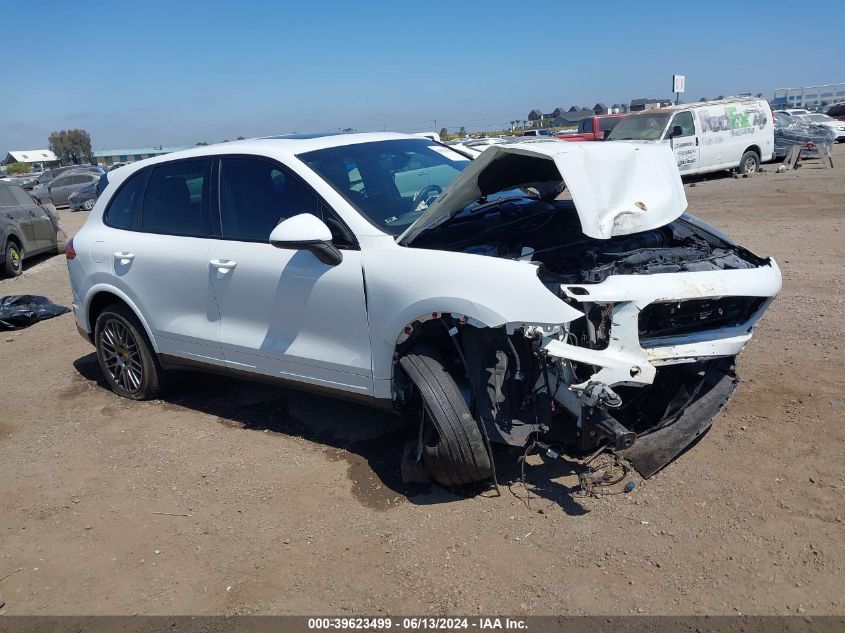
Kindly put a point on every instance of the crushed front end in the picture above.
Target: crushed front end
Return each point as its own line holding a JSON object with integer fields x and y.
{"x": 667, "y": 301}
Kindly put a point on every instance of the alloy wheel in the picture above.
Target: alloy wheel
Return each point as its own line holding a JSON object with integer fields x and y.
{"x": 16, "y": 259}
{"x": 122, "y": 356}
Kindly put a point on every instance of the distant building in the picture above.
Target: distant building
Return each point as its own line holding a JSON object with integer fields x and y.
{"x": 575, "y": 108}
{"x": 572, "y": 118}
{"x": 108, "y": 157}
{"x": 809, "y": 96}
{"x": 638, "y": 105}
{"x": 600, "y": 108}
{"x": 615, "y": 108}
{"x": 37, "y": 158}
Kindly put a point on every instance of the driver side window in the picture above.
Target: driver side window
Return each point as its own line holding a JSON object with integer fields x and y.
{"x": 684, "y": 119}
{"x": 256, "y": 195}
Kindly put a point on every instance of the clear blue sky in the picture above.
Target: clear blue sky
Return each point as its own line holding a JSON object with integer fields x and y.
{"x": 153, "y": 72}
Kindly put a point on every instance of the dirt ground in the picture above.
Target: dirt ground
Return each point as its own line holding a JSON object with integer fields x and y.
{"x": 231, "y": 497}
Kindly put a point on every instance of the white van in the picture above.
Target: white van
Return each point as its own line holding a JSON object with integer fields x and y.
{"x": 707, "y": 136}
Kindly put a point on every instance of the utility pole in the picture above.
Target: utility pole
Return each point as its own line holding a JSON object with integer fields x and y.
{"x": 435, "y": 125}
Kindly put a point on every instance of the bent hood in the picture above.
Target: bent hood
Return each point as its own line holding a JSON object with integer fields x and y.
{"x": 617, "y": 188}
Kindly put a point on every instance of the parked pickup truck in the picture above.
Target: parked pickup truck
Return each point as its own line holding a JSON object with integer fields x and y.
{"x": 594, "y": 128}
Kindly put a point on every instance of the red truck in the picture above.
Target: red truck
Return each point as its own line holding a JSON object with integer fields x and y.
{"x": 594, "y": 128}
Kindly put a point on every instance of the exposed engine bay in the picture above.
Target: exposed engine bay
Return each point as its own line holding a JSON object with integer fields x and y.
{"x": 643, "y": 373}
{"x": 549, "y": 234}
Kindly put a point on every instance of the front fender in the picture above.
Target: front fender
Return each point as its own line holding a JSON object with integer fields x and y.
{"x": 405, "y": 283}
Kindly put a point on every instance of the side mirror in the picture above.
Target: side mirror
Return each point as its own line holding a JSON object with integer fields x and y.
{"x": 676, "y": 131}
{"x": 306, "y": 232}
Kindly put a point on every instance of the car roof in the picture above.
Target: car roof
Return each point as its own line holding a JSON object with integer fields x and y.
{"x": 284, "y": 146}
{"x": 698, "y": 104}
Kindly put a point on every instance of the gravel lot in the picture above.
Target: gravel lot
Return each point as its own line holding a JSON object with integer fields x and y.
{"x": 232, "y": 497}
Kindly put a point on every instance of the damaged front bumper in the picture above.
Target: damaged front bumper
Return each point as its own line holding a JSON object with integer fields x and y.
{"x": 632, "y": 359}
{"x": 661, "y": 367}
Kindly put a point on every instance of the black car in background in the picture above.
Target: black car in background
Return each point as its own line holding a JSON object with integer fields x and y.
{"x": 26, "y": 228}
{"x": 85, "y": 198}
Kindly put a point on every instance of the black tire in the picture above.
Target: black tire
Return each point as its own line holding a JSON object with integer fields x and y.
{"x": 455, "y": 456}
{"x": 13, "y": 264}
{"x": 126, "y": 357}
{"x": 750, "y": 162}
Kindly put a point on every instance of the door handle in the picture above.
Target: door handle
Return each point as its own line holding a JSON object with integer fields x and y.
{"x": 124, "y": 257}
{"x": 696, "y": 141}
{"x": 223, "y": 265}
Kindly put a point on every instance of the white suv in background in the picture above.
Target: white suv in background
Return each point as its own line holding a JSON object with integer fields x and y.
{"x": 471, "y": 296}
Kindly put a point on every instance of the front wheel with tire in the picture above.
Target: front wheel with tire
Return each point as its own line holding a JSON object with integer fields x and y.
{"x": 451, "y": 445}
{"x": 749, "y": 163}
{"x": 125, "y": 354}
{"x": 88, "y": 205}
{"x": 13, "y": 264}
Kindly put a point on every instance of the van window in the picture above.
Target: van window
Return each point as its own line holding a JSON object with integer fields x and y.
{"x": 684, "y": 119}
{"x": 176, "y": 199}
{"x": 122, "y": 212}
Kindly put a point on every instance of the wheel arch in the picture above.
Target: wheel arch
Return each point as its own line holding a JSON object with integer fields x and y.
{"x": 756, "y": 149}
{"x": 99, "y": 297}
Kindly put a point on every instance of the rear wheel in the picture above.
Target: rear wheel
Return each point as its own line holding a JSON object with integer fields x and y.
{"x": 88, "y": 205}
{"x": 452, "y": 447}
{"x": 125, "y": 354}
{"x": 13, "y": 264}
{"x": 749, "y": 163}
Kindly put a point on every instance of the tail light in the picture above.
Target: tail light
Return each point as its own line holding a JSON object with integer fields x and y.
{"x": 70, "y": 252}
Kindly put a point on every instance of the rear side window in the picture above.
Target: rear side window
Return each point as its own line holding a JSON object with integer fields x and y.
{"x": 6, "y": 197}
{"x": 123, "y": 208}
{"x": 21, "y": 196}
{"x": 607, "y": 125}
{"x": 176, "y": 201}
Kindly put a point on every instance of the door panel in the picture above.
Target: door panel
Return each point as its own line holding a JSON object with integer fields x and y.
{"x": 43, "y": 228}
{"x": 17, "y": 216}
{"x": 167, "y": 278}
{"x": 284, "y": 313}
{"x": 687, "y": 146}
{"x": 163, "y": 263}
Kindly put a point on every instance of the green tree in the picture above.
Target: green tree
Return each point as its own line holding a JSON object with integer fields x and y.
{"x": 72, "y": 147}
{"x": 444, "y": 132}
{"x": 202, "y": 143}
{"x": 240, "y": 138}
{"x": 16, "y": 168}
{"x": 462, "y": 132}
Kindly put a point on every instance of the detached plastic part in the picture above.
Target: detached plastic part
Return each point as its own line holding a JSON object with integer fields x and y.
{"x": 20, "y": 311}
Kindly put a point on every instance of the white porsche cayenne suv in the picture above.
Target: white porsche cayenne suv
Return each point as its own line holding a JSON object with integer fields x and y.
{"x": 544, "y": 291}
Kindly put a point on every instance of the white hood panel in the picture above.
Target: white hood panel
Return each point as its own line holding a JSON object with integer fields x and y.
{"x": 617, "y": 188}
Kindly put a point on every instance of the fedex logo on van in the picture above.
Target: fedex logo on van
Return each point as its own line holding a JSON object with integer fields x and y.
{"x": 738, "y": 119}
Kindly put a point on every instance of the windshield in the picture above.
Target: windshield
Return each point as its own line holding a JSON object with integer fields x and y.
{"x": 390, "y": 183}
{"x": 640, "y": 127}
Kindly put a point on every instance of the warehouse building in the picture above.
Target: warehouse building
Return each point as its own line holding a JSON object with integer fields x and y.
{"x": 809, "y": 96}
{"x": 109, "y": 157}
{"x": 37, "y": 159}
